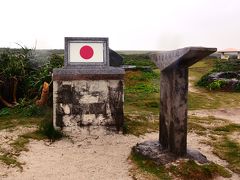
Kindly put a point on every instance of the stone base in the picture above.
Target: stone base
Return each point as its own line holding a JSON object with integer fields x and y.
{"x": 86, "y": 101}
{"x": 154, "y": 151}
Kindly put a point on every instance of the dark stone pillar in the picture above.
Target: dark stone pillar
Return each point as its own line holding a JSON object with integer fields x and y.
{"x": 174, "y": 91}
{"x": 173, "y": 112}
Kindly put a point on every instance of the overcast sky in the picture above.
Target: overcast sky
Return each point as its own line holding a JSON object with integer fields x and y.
{"x": 129, "y": 24}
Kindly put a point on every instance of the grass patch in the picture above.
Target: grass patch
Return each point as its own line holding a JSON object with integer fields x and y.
{"x": 149, "y": 166}
{"x": 142, "y": 91}
{"x": 20, "y": 144}
{"x": 30, "y": 115}
{"x": 213, "y": 100}
{"x": 228, "y": 128}
{"x": 46, "y": 129}
{"x": 201, "y": 125}
{"x": 200, "y": 68}
{"x": 139, "y": 125}
{"x": 138, "y": 60}
{"x": 34, "y": 135}
{"x": 191, "y": 170}
{"x": 219, "y": 131}
{"x": 228, "y": 150}
{"x": 181, "y": 170}
{"x": 197, "y": 128}
{"x": 22, "y": 116}
{"x": 13, "y": 121}
{"x": 9, "y": 160}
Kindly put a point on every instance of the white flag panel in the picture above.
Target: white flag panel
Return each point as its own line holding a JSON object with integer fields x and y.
{"x": 86, "y": 52}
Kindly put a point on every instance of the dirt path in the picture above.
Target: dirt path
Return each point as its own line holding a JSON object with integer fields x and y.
{"x": 191, "y": 87}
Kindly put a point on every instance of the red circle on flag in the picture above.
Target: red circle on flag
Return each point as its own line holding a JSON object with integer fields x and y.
{"x": 86, "y": 52}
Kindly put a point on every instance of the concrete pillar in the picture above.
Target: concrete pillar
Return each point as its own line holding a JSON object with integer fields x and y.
{"x": 173, "y": 93}
{"x": 173, "y": 116}
{"x": 238, "y": 55}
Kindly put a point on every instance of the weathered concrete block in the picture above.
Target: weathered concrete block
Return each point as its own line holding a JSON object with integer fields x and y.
{"x": 93, "y": 104}
{"x": 98, "y": 86}
{"x": 66, "y": 108}
{"x": 88, "y": 99}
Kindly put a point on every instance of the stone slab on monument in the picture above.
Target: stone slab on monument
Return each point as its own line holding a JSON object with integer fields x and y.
{"x": 88, "y": 92}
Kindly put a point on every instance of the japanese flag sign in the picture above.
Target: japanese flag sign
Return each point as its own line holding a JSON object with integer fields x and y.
{"x": 85, "y": 52}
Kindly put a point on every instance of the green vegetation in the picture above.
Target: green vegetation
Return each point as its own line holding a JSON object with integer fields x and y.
{"x": 46, "y": 129}
{"x": 9, "y": 160}
{"x": 212, "y": 100}
{"x": 20, "y": 144}
{"x": 43, "y": 74}
{"x": 21, "y": 116}
{"x": 139, "y": 125}
{"x": 219, "y": 131}
{"x": 216, "y": 84}
{"x": 181, "y": 170}
{"x": 226, "y": 65}
{"x": 18, "y": 68}
{"x": 138, "y": 60}
{"x": 228, "y": 128}
{"x": 149, "y": 166}
{"x": 231, "y": 65}
{"x": 39, "y": 117}
{"x": 191, "y": 170}
{"x": 228, "y": 150}
{"x": 142, "y": 92}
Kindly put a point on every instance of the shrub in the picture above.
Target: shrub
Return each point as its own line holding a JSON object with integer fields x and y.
{"x": 217, "y": 84}
{"x": 46, "y": 128}
{"x": 138, "y": 60}
{"x": 203, "y": 82}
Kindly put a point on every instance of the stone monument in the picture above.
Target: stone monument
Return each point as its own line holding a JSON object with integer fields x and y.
{"x": 173, "y": 103}
{"x": 87, "y": 91}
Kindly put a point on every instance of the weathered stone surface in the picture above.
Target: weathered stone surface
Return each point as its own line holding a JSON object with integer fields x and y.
{"x": 181, "y": 57}
{"x": 116, "y": 103}
{"x": 173, "y": 95}
{"x": 173, "y": 116}
{"x": 115, "y": 59}
{"x": 154, "y": 151}
{"x": 85, "y": 103}
{"x": 89, "y": 73}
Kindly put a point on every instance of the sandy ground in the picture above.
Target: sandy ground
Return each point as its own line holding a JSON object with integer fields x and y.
{"x": 94, "y": 157}
{"x": 89, "y": 157}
